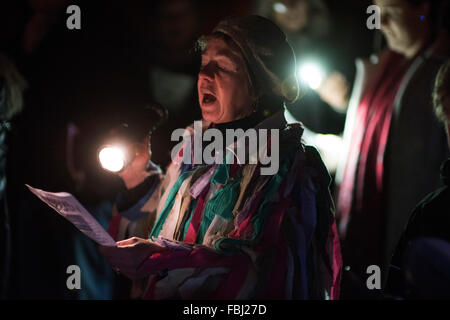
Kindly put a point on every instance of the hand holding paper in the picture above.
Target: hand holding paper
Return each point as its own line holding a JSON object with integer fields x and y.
{"x": 129, "y": 255}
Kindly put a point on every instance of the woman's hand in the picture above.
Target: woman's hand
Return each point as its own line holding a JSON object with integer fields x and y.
{"x": 130, "y": 254}
{"x": 334, "y": 90}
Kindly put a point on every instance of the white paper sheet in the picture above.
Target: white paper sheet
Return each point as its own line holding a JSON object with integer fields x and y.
{"x": 70, "y": 208}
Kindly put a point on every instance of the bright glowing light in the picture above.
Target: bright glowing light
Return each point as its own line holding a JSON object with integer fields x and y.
{"x": 279, "y": 7}
{"x": 112, "y": 158}
{"x": 312, "y": 74}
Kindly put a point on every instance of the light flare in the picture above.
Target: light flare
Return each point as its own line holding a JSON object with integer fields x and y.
{"x": 112, "y": 158}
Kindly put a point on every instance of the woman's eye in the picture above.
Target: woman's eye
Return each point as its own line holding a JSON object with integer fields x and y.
{"x": 226, "y": 67}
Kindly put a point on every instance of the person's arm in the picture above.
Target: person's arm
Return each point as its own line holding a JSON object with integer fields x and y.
{"x": 136, "y": 204}
{"x": 135, "y": 209}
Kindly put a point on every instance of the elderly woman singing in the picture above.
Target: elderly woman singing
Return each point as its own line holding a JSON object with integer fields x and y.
{"x": 226, "y": 230}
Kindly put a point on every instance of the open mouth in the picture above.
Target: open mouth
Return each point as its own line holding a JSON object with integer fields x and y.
{"x": 208, "y": 99}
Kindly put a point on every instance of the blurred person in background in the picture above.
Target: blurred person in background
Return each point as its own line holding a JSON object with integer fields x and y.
{"x": 393, "y": 144}
{"x": 12, "y": 86}
{"x": 173, "y": 64}
{"x": 81, "y": 82}
{"x": 423, "y": 253}
{"x": 309, "y": 27}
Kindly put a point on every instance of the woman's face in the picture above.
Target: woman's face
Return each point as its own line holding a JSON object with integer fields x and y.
{"x": 223, "y": 83}
{"x": 403, "y": 24}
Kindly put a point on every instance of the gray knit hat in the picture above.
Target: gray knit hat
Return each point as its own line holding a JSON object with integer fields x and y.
{"x": 267, "y": 52}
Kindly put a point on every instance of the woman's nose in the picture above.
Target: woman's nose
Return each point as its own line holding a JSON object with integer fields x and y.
{"x": 206, "y": 72}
